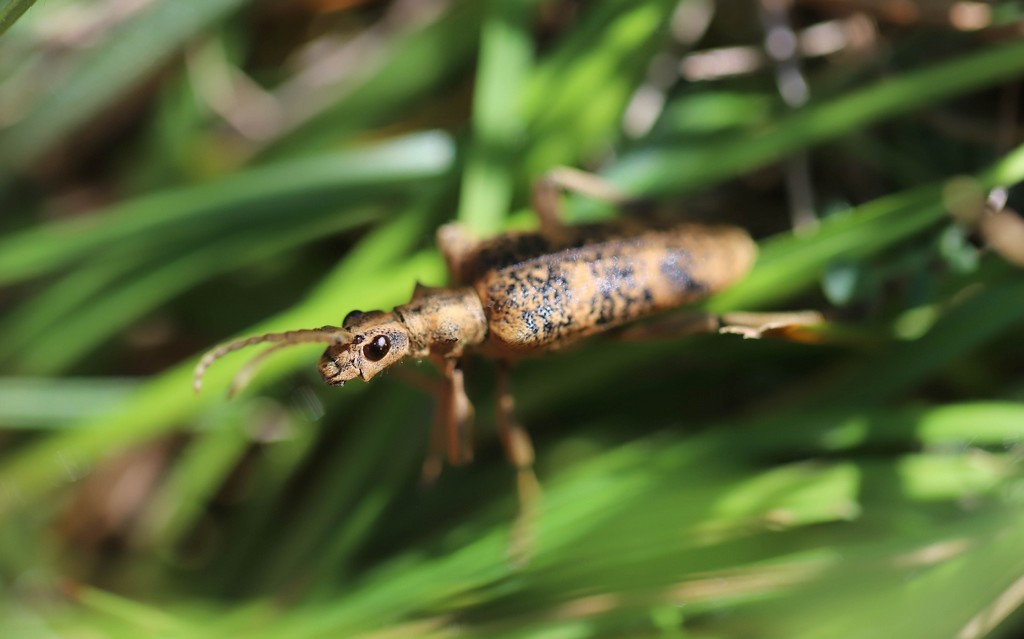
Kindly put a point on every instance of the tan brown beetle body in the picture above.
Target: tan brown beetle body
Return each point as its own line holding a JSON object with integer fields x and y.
{"x": 527, "y": 293}
{"x": 540, "y": 294}
{"x": 516, "y": 295}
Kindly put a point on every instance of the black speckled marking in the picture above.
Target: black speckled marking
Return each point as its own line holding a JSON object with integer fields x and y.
{"x": 513, "y": 249}
{"x": 552, "y": 299}
{"x": 533, "y": 301}
{"x": 677, "y": 268}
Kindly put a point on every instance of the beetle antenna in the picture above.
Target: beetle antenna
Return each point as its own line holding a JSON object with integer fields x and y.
{"x": 245, "y": 374}
{"x": 323, "y": 335}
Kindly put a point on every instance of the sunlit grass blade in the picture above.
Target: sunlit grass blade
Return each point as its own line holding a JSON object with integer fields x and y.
{"x": 412, "y": 66}
{"x": 142, "y": 617}
{"x": 576, "y": 98}
{"x": 498, "y": 122}
{"x": 166, "y": 401}
{"x": 49, "y": 347}
{"x": 966, "y": 326}
{"x": 265, "y": 193}
{"x": 790, "y": 263}
{"x": 48, "y": 403}
{"x": 982, "y": 424}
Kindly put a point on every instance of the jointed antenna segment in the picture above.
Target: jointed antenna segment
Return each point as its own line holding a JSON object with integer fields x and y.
{"x": 322, "y": 335}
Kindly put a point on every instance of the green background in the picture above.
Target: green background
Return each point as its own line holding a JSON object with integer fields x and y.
{"x": 180, "y": 172}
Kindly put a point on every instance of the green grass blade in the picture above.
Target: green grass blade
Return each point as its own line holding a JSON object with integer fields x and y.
{"x": 791, "y": 263}
{"x": 505, "y": 59}
{"x": 11, "y": 10}
{"x": 49, "y": 347}
{"x": 673, "y": 170}
{"x": 577, "y": 96}
{"x": 107, "y": 71}
{"x": 168, "y": 400}
{"x": 982, "y": 424}
{"x": 48, "y": 403}
{"x": 263, "y": 193}
{"x": 414, "y": 65}
{"x": 880, "y": 375}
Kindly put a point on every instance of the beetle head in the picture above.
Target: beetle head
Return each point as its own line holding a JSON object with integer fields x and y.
{"x": 377, "y": 340}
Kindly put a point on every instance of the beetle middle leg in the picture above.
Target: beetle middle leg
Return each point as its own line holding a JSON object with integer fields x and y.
{"x": 519, "y": 450}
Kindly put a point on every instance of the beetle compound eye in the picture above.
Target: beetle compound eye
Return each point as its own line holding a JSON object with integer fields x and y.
{"x": 377, "y": 348}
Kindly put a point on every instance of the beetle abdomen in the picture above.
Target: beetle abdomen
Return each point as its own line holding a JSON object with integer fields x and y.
{"x": 550, "y": 300}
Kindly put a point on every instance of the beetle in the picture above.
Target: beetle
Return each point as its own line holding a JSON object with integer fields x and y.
{"x": 522, "y": 294}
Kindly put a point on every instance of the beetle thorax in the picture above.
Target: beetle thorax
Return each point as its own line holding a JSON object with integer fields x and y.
{"x": 442, "y": 320}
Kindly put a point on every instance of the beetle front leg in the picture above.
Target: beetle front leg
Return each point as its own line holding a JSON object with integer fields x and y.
{"x": 519, "y": 450}
{"x": 439, "y": 389}
{"x": 451, "y": 433}
{"x": 455, "y": 414}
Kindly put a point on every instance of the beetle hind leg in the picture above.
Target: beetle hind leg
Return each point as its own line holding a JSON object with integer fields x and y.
{"x": 794, "y": 326}
{"x": 547, "y": 195}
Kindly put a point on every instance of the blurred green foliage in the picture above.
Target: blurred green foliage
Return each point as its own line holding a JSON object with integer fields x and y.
{"x": 177, "y": 172}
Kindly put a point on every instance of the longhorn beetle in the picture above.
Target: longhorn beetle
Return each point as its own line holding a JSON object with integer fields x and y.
{"x": 522, "y": 294}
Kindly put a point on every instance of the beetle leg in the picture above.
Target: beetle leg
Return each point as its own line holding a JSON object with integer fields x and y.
{"x": 457, "y": 245}
{"x": 547, "y": 195}
{"x": 519, "y": 450}
{"x": 434, "y": 460}
{"x": 421, "y": 291}
{"x": 797, "y": 326}
{"x": 455, "y": 414}
{"x": 452, "y": 428}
